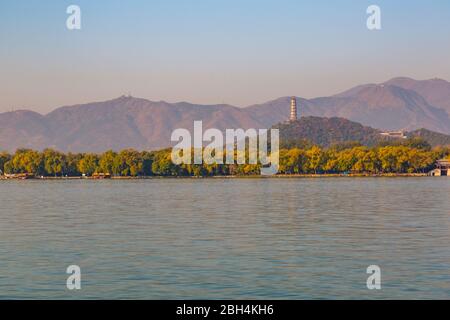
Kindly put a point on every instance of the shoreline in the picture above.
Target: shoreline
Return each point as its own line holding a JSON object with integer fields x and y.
{"x": 279, "y": 176}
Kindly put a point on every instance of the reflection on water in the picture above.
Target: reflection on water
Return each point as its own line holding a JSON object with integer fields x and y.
{"x": 226, "y": 238}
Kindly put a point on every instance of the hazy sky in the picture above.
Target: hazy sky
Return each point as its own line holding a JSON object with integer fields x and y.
{"x": 239, "y": 52}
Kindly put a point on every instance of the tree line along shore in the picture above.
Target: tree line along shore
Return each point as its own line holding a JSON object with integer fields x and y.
{"x": 409, "y": 158}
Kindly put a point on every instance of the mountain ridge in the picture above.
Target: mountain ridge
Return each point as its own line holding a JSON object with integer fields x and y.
{"x": 129, "y": 122}
{"x": 326, "y": 132}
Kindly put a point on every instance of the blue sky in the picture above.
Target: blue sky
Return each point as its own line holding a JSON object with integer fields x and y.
{"x": 237, "y": 52}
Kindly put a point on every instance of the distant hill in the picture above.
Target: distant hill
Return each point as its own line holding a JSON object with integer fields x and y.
{"x": 383, "y": 106}
{"x": 433, "y": 138}
{"x": 435, "y": 91}
{"x": 128, "y": 122}
{"x": 391, "y": 107}
{"x": 334, "y": 131}
{"x": 125, "y": 122}
{"x": 327, "y": 131}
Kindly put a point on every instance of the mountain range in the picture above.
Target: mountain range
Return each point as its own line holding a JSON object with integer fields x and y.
{"x": 128, "y": 122}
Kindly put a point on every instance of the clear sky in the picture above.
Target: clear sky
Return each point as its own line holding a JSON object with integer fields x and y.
{"x": 239, "y": 52}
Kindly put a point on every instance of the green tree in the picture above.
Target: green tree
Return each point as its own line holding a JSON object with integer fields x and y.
{"x": 163, "y": 165}
{"x": 26, "y": 161}
{"x": 4, "y": 158}
{"x": 315, "y": 158}
{"x": 147, "y": 161}
{"x": 88, "y": 164}
{"x": 72, "y": 161}
{"x": 131, "y": 162}
{"x": 388, "y": 159}
{"x": 417, "y": 143}
{"x": 54, "y": 162}
{"x": 296, "y": 161}
{"x": 107, "y": 163}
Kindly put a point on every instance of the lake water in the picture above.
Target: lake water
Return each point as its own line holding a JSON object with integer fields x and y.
{"x": 226, "y": 238}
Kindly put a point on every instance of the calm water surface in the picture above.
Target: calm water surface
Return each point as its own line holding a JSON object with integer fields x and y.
{"x": 226, "y": 238}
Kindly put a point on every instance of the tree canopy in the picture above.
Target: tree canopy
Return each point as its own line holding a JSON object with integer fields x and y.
{"x": 416, "y": 157}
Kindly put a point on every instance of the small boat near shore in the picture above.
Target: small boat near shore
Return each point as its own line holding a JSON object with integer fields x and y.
{"x": 101, "y": 176}
{"x": 19, "y": 176}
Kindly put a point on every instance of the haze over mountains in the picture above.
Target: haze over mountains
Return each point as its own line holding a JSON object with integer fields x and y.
{"x": 383, "y": 106}
{"x": 128, "y": 122}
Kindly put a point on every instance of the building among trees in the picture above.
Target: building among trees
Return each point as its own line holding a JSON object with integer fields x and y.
{"x": 293, "y": 116}
{"x": 442, "y": 168}
{"x": 395, "y": 134}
